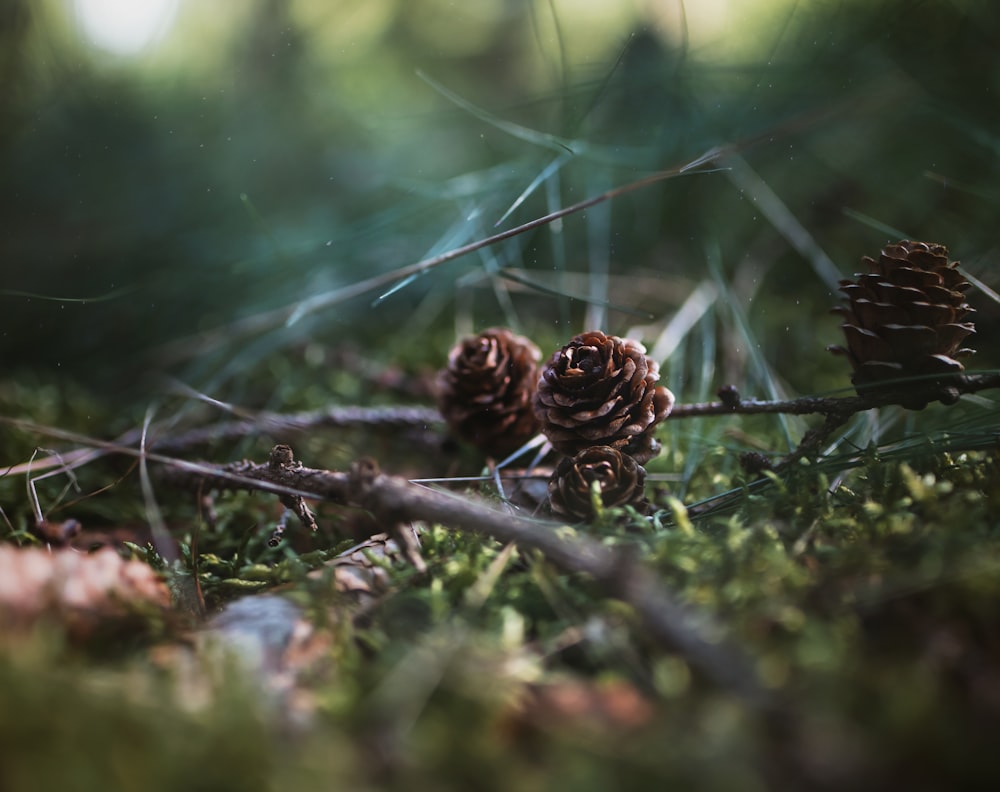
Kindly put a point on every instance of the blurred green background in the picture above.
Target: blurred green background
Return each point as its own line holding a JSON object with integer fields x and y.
{"x": 190, "y": 195}
{"x": 178, "y": 177}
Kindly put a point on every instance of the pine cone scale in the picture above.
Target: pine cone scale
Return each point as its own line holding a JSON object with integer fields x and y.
{"x": 910, "y": 342}
{"x": 932, "y": 314}
{"x": 955, "y": 334}
{"x": 872, "y": 314}
{"x": 865, "y": 344}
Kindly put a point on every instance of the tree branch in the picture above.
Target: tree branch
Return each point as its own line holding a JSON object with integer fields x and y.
{"x": 842, "y": 405}
{"x": 394, "y": 499}
{"x": 278, "y": 424}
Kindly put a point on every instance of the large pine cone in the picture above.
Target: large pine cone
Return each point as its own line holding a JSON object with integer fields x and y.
{"x": 599, "y": 390}
{"x": 619, "y": 477}
{"x": 904, "y": 317}
{"x": 485, "y": 393}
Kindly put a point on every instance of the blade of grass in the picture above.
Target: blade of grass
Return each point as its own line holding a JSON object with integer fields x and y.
{"x": 744, "y": 178}
{"x": 761, "y": 368}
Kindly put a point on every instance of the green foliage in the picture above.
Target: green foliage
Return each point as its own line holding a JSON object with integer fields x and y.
{"x": 843, "y": 594}
{"x": 120, "y": 730}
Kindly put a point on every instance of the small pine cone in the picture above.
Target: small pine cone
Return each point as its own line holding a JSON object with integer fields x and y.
{"x": 599, "y": 390}
{"x": 90, "y": 595}
{"x": 486, "y": 391}
{"x": 904, "y": 317}
{"x": 618, "y": 475}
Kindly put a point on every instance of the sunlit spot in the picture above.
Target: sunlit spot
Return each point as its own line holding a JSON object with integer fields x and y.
{"x": 124, "y": 27}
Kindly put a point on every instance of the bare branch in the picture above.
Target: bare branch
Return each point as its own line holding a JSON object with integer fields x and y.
{"x": 939, "y": 388}
{"x": 395, "y": 500}
{"x": 277, "y": 424}
{"x": 267, "y": 423}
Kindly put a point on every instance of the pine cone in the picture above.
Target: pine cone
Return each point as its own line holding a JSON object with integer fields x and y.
{"x": 485, "y": 393}
{"x": 598, "y": 390}
{"x": 618, "y": 475}
{"x": 86, "y": 593}
{"x": 904, "y": 317}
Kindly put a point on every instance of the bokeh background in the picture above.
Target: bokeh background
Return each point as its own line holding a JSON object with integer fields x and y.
{"x": 186, "y": 186}
{"x": 190, "y": 194}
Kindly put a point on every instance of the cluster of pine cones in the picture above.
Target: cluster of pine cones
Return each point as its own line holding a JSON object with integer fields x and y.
{"x": 597, "y": 402}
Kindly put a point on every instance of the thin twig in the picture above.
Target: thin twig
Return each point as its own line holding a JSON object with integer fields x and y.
{"x": 843, "y": 405}
{"x": 277, "y": 425}
{"x": 813, "y": 440}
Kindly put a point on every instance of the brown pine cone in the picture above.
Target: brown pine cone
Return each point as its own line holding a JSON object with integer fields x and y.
{"x": 486, "y": 391}
{"x": 599, "y": 390}
{"x": 87, "y": 594}
{"x": 618, "y": 475}
{"x": 904, "y": 317}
